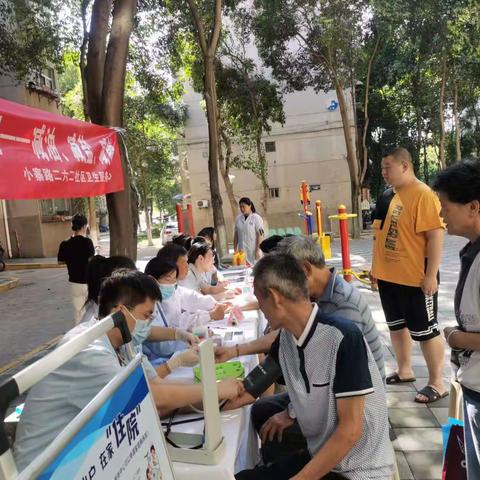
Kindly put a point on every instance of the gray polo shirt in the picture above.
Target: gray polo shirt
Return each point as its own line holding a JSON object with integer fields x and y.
{"x": 330, "y": 361}
{"x": 342, "y": 299}
{"x": 56, "y": 400}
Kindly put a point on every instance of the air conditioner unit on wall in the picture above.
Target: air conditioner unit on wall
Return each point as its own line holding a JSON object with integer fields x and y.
{"x": 203, "y": 204}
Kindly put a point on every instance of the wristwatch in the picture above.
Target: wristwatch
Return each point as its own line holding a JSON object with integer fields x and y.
{"x": 291, "y": 411}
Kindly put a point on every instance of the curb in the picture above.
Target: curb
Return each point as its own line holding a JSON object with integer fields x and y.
{"x": 11, "y": 282}
{"x": 4, "y": 369}
{"x": 31, "y": 266}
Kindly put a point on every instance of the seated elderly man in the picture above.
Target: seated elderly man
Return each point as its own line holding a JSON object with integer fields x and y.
{"x": 56, "y": 400}
{"x": 333, "y": 382}
{"x": 273, "y": 416}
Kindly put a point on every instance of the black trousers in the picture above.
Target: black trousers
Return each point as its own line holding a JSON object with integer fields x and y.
{"x": 293, "y": 439}
{"x": 283, "y": 469}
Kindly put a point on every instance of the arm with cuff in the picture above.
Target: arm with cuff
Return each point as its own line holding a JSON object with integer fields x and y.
{"x": 256, "y": 382}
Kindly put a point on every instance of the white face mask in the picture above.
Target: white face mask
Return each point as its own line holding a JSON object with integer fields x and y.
{"x": 141, "y": 331}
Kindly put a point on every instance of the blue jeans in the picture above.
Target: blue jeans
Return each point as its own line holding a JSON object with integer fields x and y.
{"x": 471, "y": 409}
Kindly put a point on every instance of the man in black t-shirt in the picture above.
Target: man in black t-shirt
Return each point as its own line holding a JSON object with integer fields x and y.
{"x": 76, "y": 252}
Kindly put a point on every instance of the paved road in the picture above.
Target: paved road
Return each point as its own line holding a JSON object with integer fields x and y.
{"x": 39, "y": 309}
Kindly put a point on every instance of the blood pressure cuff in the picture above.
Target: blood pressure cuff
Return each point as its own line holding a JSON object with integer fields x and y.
{"x": 262, "y": 376}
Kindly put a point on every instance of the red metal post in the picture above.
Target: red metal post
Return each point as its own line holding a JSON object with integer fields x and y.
{"x": 181, "y": 226}
{"x": 190, "y": 219}
{"x": 344, "y": 241}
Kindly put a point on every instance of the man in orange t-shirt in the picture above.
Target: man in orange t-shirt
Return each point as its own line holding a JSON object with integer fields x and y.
{"x": 408, "y": 241}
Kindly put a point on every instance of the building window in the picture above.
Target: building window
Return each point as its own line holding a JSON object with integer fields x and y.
{"x": 270, "y": 147}
{"x": 43, "y": 82}
{"x": 56, "y": 207}
{"x": 274, "y": 192}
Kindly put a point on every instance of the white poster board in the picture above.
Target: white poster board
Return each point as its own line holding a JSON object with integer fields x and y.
{"x": 120, "y": 440}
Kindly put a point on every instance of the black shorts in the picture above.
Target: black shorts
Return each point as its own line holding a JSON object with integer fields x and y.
{"x": 408, "y": 307}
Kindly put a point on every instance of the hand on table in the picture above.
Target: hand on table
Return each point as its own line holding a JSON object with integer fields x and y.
{"x": 274, "y": 427}
{"x": 186, "y": 358}
{"x": 230, "y": 389}
{"x": 218, "y": 312}
{"x": 185, "y": 336}
{"x": 224, "y": 354}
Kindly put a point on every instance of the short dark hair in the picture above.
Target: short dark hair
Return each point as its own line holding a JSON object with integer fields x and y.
{"x": 270, "y": 244}
{"x": 158, "y": 267}
{"x": 400, "y": 154}
{"x": 207, "y": 232}
{"x": 99, "y": 268}
{"x": 127, "y": 287}
{"x": 197, "y": 249}
{"x": 183, "y": 240}
{"x": 460, "y": 182}
{"x": 78, "y": 222}
{"x": 282, "y": 273}
{"x": 171, "y": 252}
{"x": 247, "y": 201}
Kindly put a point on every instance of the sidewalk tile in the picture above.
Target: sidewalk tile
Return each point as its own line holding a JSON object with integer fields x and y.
{"x": 403, "y": 467}
{"x": 418, "y": 439}
{"x": 402, "y": 400}
{"x": 425, "y": 465}
{"x": 412, "y": 417}
{"x": 441, "y": 414}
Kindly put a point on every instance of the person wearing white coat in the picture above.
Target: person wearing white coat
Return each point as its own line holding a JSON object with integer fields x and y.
{"x": 249, "y": 231}
{"x": 181, "y": 308}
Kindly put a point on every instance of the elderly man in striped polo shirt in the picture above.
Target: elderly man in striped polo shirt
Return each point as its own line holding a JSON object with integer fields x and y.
{"x": 273, "y": 416}
{"x": 333, "y": 383}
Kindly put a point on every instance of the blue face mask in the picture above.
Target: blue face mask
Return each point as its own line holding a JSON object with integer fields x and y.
{"x": 141, "y": 331}
{"x": 167, "y": 291}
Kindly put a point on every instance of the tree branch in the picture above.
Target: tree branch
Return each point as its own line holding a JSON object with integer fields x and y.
{"x": 217, "y": 28}
{"x": 198, "y": 26}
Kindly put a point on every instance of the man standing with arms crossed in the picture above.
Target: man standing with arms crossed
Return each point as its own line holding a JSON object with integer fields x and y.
{"x": 408, "y": 238}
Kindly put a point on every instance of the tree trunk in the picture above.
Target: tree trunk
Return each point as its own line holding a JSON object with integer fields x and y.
{"x": 263, "y": 175}
{"x": 148, "y": 223}
{"x": 97, "y": 44}
{"x": 441, "y": 145}
{"x": 458, "y": 133}
{"x": 123, "y": 229}
{"x": 210, "y": 95}
{"x": 364, "y": 163}
{"x": 225, "y": 171}
{"x": 92, "y": 220}
{"x": 351, "y": 158}
{"x": 425, "y": 164}
{"x": 105, "y": 82}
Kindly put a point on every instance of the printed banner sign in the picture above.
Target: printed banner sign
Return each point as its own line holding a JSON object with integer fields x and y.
{"x": 45, "y": 155}
{"x": 122, "y": 441}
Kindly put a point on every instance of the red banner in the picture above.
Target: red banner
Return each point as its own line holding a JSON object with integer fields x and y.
{"x": 45, "y": 155}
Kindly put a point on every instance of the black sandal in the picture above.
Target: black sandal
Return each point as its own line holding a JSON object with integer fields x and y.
{"x": 431, "y": 393}
{"x": 395, "y": 378}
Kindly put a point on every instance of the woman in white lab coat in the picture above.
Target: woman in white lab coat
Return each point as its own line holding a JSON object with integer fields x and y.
{"x": 201, "y": 260}
{"x": 249, "y": 231}
{"x": 181, "y": 308}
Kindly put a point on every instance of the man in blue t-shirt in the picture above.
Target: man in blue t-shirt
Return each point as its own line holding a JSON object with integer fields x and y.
{"x": 332, "y": 380}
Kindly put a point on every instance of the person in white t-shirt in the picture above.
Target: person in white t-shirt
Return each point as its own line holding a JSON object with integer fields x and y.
{"x": 249, "y": 231}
